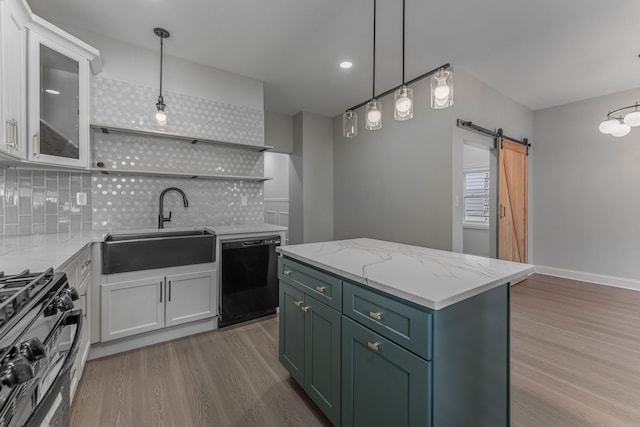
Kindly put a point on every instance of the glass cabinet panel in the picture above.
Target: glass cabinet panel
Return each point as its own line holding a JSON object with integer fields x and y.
{"x": 59, "y": 95}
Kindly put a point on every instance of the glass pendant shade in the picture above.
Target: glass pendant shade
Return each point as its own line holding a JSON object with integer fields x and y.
{"x": 632, "y": 119}
{"x": 373, "y": 115}
{"x": 161, "y": 115}
{"x": 622, "y": 130}
{"x": 403, "y": 101}
{"x": 442, "y": 89}
{"x": 349, "y": 124}
{"x": 608, "y": 126}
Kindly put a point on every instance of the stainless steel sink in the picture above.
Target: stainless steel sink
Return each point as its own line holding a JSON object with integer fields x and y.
{"x": 144, "y": 251}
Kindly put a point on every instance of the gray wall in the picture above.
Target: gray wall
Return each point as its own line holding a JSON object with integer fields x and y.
{"x": 586, "y": 189}
{"x": 311, "y": 180}
{"x": 400, "y": 183}
{"x": 481, "y": 104}
{"x": 278, "y": 132}
{"x": 395, "y": 183}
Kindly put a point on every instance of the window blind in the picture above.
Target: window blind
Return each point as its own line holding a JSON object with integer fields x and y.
{"x": 476, "y": 197}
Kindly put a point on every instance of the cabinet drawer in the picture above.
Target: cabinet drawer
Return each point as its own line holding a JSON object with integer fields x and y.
{"x": 84, "y": 263}
{"x": 321, "y": 286}
{"x": 402, "y": 324}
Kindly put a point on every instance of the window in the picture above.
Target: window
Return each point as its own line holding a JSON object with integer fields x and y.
{"x": 476, "y": 198}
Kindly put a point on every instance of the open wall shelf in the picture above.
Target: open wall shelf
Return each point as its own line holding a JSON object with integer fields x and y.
{"x": 193, "y": 140}
{"x": 181, "y": 175}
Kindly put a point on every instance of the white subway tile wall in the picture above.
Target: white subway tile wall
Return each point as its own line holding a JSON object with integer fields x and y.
{"x": 37, "y": 202}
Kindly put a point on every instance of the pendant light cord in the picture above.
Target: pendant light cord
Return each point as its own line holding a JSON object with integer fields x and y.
{"x": 161, "y": 55}
{"x": 403, "y": 16}
{"x": 374, "y": 49}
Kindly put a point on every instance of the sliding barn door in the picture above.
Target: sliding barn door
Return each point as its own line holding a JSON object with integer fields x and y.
{"x": 512, "y": 201}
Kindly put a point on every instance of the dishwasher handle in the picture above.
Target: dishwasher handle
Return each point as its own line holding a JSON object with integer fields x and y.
{"x": 243, "y": 243}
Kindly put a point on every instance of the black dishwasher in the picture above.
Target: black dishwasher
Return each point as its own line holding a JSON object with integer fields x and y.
{"x": 249, "y": 279}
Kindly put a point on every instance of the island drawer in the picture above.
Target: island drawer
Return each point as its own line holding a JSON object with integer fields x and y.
{"x": 323, "y": 287}
{"x": 405, "y": 325}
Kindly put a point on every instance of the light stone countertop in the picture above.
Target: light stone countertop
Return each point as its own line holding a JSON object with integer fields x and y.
{"x": 38, "y": 252}
{"x": 428, "y": 277}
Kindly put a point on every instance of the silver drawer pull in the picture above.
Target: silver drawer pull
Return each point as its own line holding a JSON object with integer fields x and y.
{"x": 375, "y": 346}
{"x": 298, "y": 303}
{"x": 320, "y": 288}
{"x": 375, "y": 315}
{"x": 286, "y": 272}
{"x": 305, "y": 309}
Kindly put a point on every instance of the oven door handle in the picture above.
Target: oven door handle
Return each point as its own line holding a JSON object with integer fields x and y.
{"x": 71, "y": 317}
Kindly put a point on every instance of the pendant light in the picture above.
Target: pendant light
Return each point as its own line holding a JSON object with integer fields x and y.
{"x": 403, "y": 98}
{"x": 374, "y": 107}
{"x": 350, "y": 124}
{"x": 442, "y": 89}
{"x": 619, "y": 124}
{"x": 161, "y": 115}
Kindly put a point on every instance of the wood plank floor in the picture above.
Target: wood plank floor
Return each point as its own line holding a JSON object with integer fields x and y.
{"x": 575, "y": 354}
{"x": 228, "y": 377}
{"x": 575, "y": 362}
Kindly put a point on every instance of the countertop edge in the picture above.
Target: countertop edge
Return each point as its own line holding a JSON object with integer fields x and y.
{"x": 427, "y": 303}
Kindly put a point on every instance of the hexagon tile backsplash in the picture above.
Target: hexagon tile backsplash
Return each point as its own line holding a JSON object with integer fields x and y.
{"x": 130, "y": 105}
{"x": 131, "y": 201}
{"x": 126, "y": 202}
{"x": 144, "y": 153}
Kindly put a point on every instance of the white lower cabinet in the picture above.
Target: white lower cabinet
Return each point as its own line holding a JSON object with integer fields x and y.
{"x": 78, "y": 271}
{"x": 190, "y": 297}
{"x": 132, "y": 305}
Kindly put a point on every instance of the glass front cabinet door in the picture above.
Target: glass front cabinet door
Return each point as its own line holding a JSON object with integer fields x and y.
{"x": 58, "y": 93}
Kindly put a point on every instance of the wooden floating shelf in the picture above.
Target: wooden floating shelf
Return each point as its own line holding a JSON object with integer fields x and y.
{"x": 167, "y": 135}
{"x": 181, "y": 175}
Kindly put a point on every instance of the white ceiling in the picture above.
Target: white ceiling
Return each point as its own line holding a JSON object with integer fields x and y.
{"x": 539, "y": 52}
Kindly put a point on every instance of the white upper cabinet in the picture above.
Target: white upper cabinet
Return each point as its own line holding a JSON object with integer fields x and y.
{"x": 13, "y": 17}
{"x": 58, "y": 95}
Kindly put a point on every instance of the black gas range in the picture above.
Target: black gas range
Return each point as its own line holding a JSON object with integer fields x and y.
{"x": 39, "y": 334}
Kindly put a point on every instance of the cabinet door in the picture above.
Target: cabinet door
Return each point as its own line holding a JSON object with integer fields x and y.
{"x": 322, "y": 356}
{"x": 383, "y": 384}
{"x": 58, "y": 93}
{"x": 130, "y": 308}
{"x": 13, "y": 79}
{"x": 191, "y": 296}
{"x": 291, "y": 352}
{"x": 84, "y": 290}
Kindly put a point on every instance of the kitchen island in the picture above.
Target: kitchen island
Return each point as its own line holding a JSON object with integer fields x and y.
{"x": 381, "y": 333}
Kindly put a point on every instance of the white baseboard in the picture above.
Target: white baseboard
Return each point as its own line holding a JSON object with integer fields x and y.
{"x": 108, "y": 348}
{"x": 600, "y": 279}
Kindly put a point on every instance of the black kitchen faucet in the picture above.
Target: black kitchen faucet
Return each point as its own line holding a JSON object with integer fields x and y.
{"x": 161, "y": 218}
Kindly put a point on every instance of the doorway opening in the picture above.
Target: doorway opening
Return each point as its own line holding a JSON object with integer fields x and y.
{"x": 479, "y": 202}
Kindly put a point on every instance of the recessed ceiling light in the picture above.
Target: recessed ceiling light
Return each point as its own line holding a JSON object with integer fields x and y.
{"x": 52, "y": 91}
{"x": 346, "y": 64}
